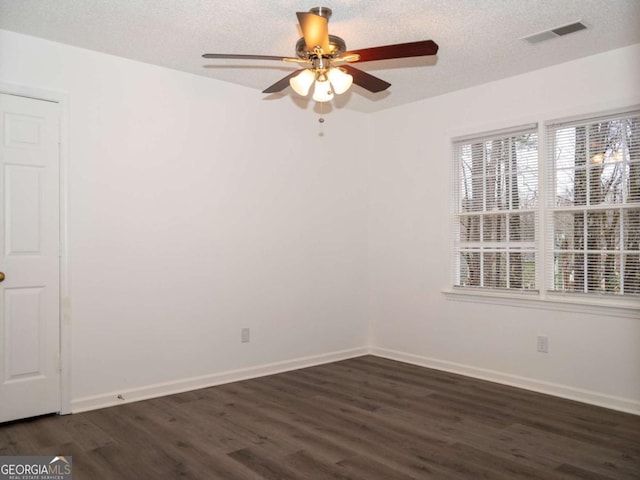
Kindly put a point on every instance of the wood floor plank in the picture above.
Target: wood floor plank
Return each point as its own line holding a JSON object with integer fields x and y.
{"x": 343, "y": 427}
{"x": 602, "y": 458}
{"x": 366, "y": 418}
{"x": 266, "y": 466}
{"x": 158, "y": 448}
{"x": 278, "y": 427}
{"x": 306, "y": 465}
{"x": 580, "y": 474}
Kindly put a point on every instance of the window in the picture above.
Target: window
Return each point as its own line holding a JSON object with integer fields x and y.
{"x": 594, "y": 206}
{"x": 589, "y": 213}
{"x": 496, "y": 203}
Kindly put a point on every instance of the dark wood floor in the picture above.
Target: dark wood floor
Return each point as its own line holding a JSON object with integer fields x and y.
{"x": 363, "y": 419}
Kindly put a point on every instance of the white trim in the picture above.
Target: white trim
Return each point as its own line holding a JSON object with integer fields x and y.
{"x": 32, "y": 92}
{"x": 627, "y": 405}
{"x": 457, "y": 184}
{"x": 178, "y": 386}
{"x": 541, "y": 252}
{"x": 587, "y": 118}
{"x": 65, "y": 265}
{"x": 497, "y": 133}
{"x": 478, "y": 129}
{"x": 62, "y": 100}
{"x": 624, "y": 308}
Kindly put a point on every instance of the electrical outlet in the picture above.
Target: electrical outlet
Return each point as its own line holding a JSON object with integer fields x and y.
{"x": 244, "y": 335}
{"x": 543, "y": 344}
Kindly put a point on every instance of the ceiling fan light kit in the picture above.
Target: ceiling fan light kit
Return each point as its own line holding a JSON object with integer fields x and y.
{"x": 340, "y": 80}
{"x": 302, "y": 82}
{"x": 322, "y": 91}
{"x": 325, "y": 59}
{"x": 327, "y": 83}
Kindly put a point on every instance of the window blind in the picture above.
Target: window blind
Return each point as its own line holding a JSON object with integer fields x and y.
{"x": 496, "y": 203}
{"x": 592, "y": 220}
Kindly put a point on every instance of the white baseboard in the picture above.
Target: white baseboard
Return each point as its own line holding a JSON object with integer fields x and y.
{"x": 194, "y": 383}
{"x": 586, "y": 396}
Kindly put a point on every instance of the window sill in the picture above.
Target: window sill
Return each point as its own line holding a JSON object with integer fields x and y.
{"x": 626, "y": 308}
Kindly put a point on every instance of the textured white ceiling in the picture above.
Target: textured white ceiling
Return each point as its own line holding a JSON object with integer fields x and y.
{"x": 480, "y": 40}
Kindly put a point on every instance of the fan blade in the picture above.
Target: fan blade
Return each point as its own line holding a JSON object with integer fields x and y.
{"x": 315, "y": 31}
{"x": 243, "y": 57}
{"x": 400, "y": 50}
{"x": 282, "y": 83}
{"x": 366, "y": 80}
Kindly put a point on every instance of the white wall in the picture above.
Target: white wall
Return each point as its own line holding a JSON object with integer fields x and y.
{"x": 195, "y": 209}
{"x": 593, "y": 357}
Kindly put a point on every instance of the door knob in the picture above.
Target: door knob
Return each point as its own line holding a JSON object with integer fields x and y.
{"x": 1, "y": 277}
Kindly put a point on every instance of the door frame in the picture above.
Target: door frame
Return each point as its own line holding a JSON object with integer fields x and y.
{"x": 62, "y": 99}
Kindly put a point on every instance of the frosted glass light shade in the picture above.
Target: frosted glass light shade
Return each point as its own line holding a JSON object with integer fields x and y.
{"x": 322, "y": 92}
{"x": 340, "y": 80}
{"x": 302, "y": 82}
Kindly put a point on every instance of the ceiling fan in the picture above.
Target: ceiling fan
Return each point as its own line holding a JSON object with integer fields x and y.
{"x": 326, "y": 59}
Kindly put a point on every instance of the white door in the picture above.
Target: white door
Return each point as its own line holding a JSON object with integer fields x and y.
{"x": 29, "y": 258}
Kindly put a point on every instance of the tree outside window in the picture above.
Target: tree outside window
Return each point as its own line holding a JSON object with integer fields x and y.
{"x": 596, "y": 206}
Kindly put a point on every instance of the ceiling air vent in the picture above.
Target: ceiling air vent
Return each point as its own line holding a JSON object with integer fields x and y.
{"x": 555, "y": 32}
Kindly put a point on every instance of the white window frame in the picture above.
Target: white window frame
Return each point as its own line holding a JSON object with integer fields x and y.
{"x": 543, "y": 298}
{"x": 489, "y": 247}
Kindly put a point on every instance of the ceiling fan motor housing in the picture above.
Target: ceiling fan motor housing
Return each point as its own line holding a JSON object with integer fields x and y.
{"x": 337, "y": 46}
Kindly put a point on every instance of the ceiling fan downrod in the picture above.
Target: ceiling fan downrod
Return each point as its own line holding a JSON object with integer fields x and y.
{"x": 324, "y": 12}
